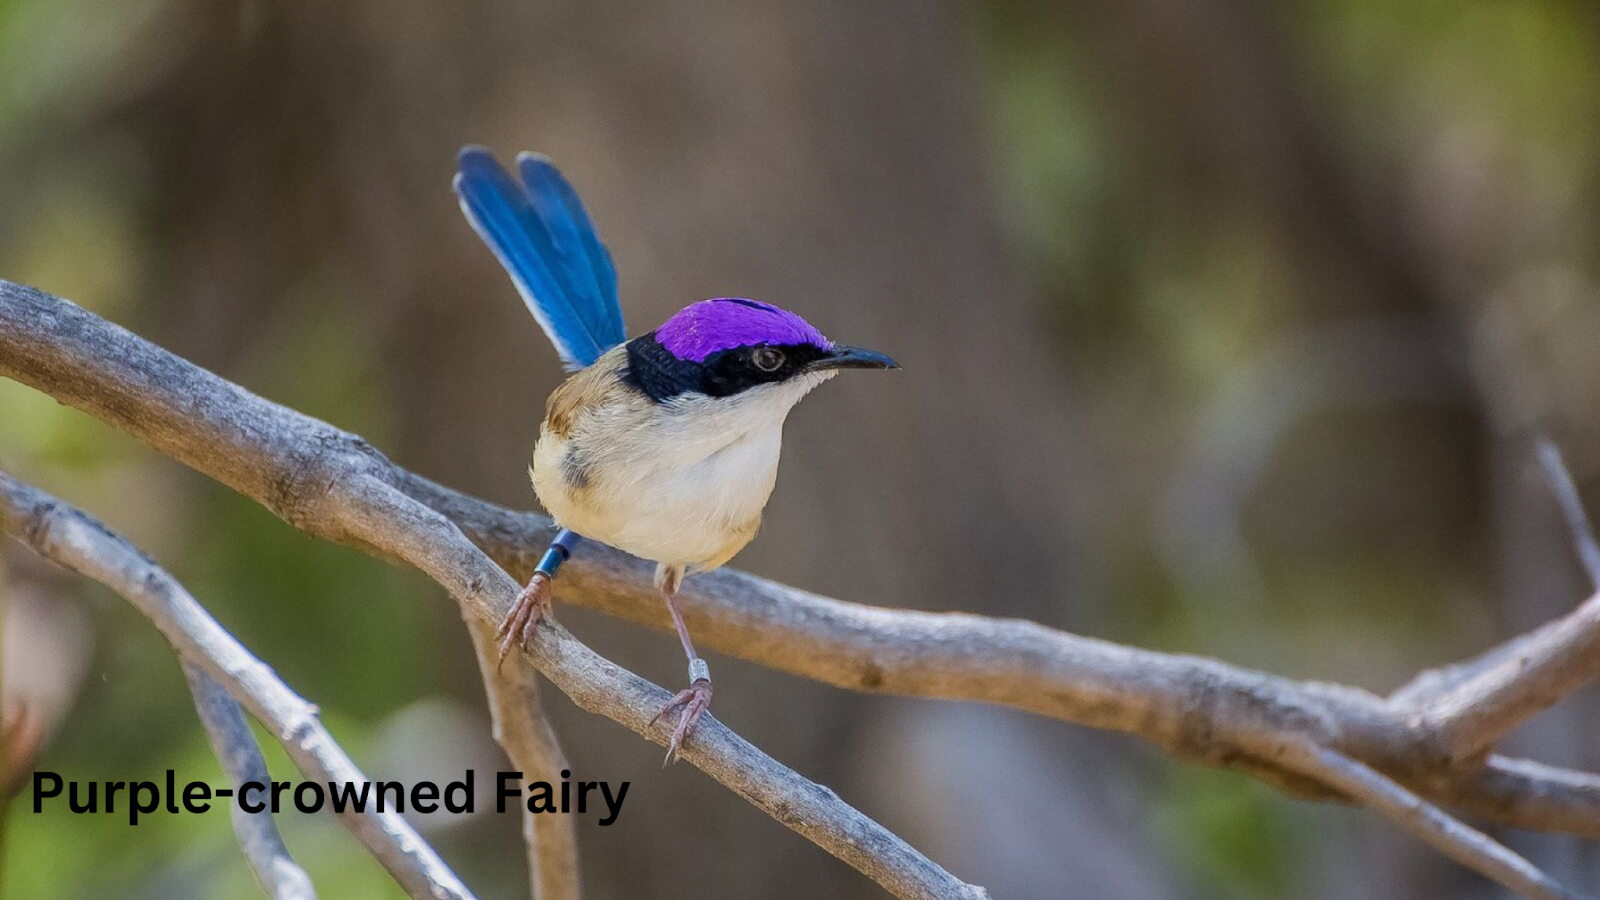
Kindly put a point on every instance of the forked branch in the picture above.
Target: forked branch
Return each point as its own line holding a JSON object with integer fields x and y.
{"x": 334, "y": 485}
{"x": 80, "y": 543}
{"x": 1318, "y": 740}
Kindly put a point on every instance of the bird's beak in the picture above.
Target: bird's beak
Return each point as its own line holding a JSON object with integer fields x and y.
{"x": 845, "y": 357}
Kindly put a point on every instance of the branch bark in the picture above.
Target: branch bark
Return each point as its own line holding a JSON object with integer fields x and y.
{"x": 334, "y": 485}
{"x": 1510, "y": 686}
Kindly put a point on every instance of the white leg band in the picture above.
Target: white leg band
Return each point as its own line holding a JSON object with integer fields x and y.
{"x": 698, "y": 670}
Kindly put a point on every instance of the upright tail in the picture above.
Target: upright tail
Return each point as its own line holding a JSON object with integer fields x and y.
{"x": 542, "y": 235}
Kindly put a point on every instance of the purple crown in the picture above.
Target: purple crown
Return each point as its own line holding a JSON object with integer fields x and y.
{"x": 723, "y": 323}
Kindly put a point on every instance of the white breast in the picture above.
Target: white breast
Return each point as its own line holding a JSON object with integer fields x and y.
{"x": 681, "y": 483}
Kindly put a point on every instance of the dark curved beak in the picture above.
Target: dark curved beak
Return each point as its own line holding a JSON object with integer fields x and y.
{"x": 846, "y": 357}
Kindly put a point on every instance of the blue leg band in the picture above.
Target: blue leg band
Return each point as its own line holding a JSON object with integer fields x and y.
{"x": 560, "y": 549}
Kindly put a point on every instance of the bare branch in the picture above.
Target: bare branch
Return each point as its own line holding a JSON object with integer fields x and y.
{"x": 1197, "y": 709}
{"x": 1445, "y": 833}
{"x": 524, "y": 732}
{"x": 1518, "y": 789}
{"x": 82, "y": 544}
{"x": 240, "y": 756}
{"x": 380, "y": 516}
{"x": 1468, "y": 707}
{"x": 1510, "y": 684}
{"x": 333, "y": 485}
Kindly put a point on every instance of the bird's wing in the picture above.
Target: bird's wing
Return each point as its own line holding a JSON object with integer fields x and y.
{"x": 543, "y": 237}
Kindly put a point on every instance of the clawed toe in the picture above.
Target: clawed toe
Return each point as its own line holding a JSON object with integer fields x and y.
{"x": 517, "y": 628}
{"x": 695, "y": 700}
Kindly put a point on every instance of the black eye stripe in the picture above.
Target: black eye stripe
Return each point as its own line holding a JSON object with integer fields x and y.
{"x": 653, "y": 370}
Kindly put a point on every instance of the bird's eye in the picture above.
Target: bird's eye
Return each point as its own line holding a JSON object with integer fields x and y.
{"x": 767, "y": 359}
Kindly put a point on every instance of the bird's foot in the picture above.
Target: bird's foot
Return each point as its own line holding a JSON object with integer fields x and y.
{"x": 518, "y": 626}
{"x": 694, "y": 699}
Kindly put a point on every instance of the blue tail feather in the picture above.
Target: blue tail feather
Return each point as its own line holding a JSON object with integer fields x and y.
{"x": 543, "y": 237}
{"x": 559, "y": 206}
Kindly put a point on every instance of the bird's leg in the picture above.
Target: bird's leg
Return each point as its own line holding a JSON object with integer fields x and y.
{"x": 695, "y": 698}
{"x": 533, "y": 601}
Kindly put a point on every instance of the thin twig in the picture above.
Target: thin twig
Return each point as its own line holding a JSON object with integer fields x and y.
{"x": 75, "y": 540}
{"x": 1566, "y": 494}
{"x": 1444, "y": 832}
{"x": 241, "y": 760}
{"x": 524, "y": 732}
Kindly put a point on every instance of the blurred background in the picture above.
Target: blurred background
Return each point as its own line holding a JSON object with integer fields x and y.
{"x": 1226, "y": 327}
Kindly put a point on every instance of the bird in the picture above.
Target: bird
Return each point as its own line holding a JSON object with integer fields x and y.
{"x": 665, "y": 445}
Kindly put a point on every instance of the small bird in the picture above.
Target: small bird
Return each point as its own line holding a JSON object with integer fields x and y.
{"x": 664, "y": 446}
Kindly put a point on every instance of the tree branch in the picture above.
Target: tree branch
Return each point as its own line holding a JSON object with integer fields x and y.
{"x": 1509, "y": 685}
{"x": 73, "y": 539}
{"x": 1469, "y": 707}
{"x": 1448, "y": 835}
{"x": 524, "y": 732}
{"x": 377, "y": 515}
{"x": 1196, "y": 709}
{"x": 334, "y": 485}
{"x": 240, "y": 757}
